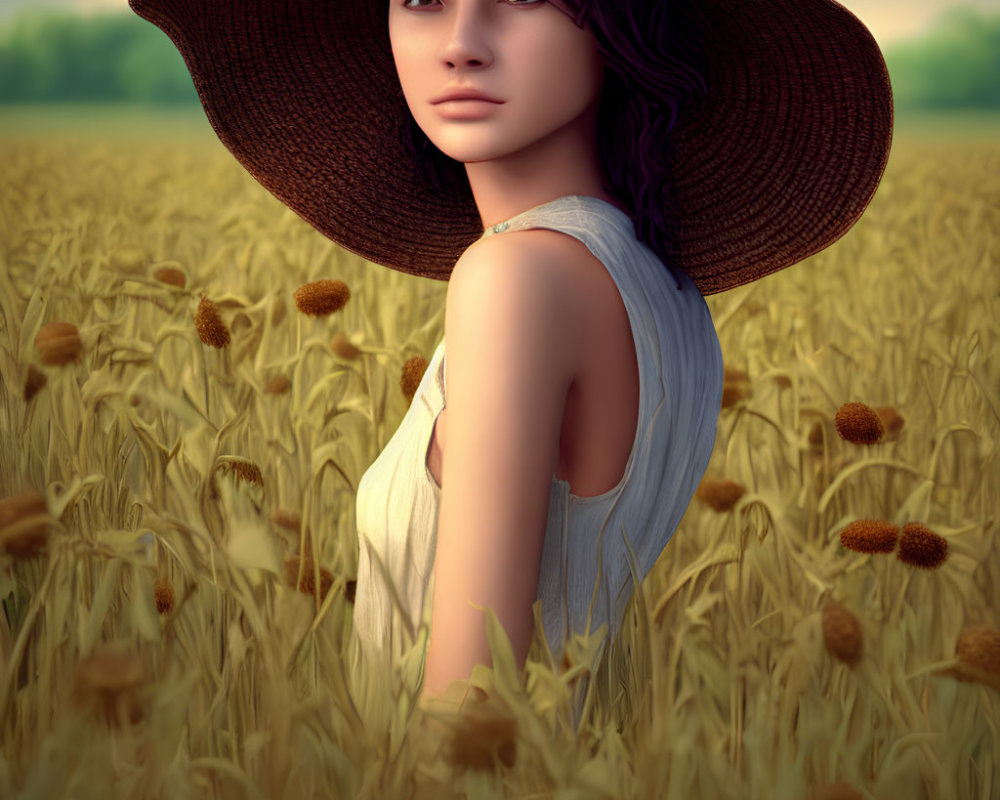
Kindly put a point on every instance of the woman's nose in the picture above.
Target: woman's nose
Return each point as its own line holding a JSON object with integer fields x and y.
{"x": 466, "y": 39}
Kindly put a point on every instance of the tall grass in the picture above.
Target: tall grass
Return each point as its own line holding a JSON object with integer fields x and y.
{"x": 186, "y": 630}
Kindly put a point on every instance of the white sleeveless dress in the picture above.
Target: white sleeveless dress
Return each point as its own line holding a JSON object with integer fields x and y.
{"x": 584, "y": 571}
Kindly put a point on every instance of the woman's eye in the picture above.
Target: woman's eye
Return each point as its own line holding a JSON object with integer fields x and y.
{"x": 414, "y": 4}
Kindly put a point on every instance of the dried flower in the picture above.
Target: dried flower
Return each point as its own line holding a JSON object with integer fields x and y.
{"x": 320, "y": 298}
{"x": 247, "y": 471}
{"x": 307, "y": 583}
{"x": 816, "y": 435}
{"x": 130, "y": 258}
{"x": 286, "y": 519}
{"x": 110, "y": 680}
{"x": 731, "y": 394}
{"x": 413, "y": 373}
{"x": 920, "y": 547}
{"x": 978, "y": 652}
{"x": 720, "y": 495}
{"x": 58, "y": 343}
{"x": 483, "y": 730}
{"x": 164, "y": 594}
{"x": 858, "y": 424}
{"x": 733, "y": 375}
{"x": 277, "y": 312}
{"x": 870, "y": 536}
{"x": 211, "y": 329}
{"x": 892, "y": 421}
{"x": 279, "y": 384}
{"x": 343, "y": 347}
{"x": 171, "y": 275}
{"x": 34, "y": 383}
{"x": 24, "y": 524}
{"x": 842, "y": 633}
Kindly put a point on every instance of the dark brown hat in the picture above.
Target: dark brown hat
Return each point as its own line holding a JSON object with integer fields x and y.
{"x": 777, "y": 162}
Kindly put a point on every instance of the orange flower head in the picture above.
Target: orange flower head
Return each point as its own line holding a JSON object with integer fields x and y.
{"x": 920, "y": 547}
{"x": 720, "y": 495}
{"x": 413, "y": 373}
{"x": 279, "y": 384}
{"x": 24, "y": 524}
{"x": 170, "y": 275}
{"x": 842, "y": 633}
{"x": 286, "y": 519}
{"x": 110, "y": 680}
{"x": 211, "y": 329}
{"x": 307, "y": 583}
{"x": 343, "y": 347}
{"x": 978, "y": 652}
{"x": 164, "y": 594}
{"x": 858, "y": 424}
{"x": 892, "y": 420}
{"x": 34, "y": 383}
{"x": 870, "y": 536}
{"x": 58, "y": 343}
{"x": 319, "y": 298}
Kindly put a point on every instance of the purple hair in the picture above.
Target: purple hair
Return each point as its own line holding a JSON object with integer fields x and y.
{"x": 650, "y": 74}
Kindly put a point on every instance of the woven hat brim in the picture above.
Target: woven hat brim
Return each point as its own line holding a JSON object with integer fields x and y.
{"x": 776, "y": 164}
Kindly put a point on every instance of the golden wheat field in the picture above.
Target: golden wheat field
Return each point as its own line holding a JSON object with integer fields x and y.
{"x": 180, "y": 447}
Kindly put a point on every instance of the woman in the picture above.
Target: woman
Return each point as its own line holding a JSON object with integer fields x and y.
{"x": 616, "y": 162}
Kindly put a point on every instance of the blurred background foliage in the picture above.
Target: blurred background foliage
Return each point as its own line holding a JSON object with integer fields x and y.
{"x": 50, "y": 55}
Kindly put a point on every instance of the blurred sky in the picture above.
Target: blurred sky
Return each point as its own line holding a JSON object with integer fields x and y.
{"x": 888, "y": 20}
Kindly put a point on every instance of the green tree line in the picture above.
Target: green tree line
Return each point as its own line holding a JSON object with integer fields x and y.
{"x": 50, "y": 56}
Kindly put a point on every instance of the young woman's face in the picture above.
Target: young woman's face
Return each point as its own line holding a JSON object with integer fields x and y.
{"x": 544, "y": 72}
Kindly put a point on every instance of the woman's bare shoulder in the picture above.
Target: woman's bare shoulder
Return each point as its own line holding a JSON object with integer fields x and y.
{"x": 545, "y": 259}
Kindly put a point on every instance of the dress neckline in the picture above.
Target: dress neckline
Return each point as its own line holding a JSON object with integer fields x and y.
{"x": 582, "y": 199}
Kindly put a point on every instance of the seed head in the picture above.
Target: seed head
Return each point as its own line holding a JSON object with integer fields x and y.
{"x": 279, "y": 384}
{"x": 164, "y": 594}
{"x": 350, "y": 590}
{"x": 816, "y": 435}
{"x": 870, "y": 536}
{"x": 130, "y": 259}
{"x": 24, "y": 524}
{"x": 211, "y": 330}
{"x": 783, "y": 381}
{"x": 858, "y": 424}
{"x": 286, "y": 519}
{"x": 733, "y": 375}
{"x": 58, "y": 343}
{"x": 720, "y": 495}
{"x": 892, "y": 420}
{"x": 732, "y": 393}
{"x": 307, "y": 583}
{"x": 920, "y": 547}
{"x": 978, "y": 652}
{"x": 34, "y": 383}
{"x": 483, "y": 730}
{"x": 319, "y": 298}
{"x": 277, "y": 312}
{"x": 413, "y": 373}
{"x": 343, "y": 347}
{"x": 170, "y": 275}
{"x": 842, "y": 633}
{"x": 247, "y": 471}
{"x": 110, "y": 681}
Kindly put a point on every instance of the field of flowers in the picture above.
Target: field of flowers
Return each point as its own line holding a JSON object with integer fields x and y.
{"x": 194, "y": 380}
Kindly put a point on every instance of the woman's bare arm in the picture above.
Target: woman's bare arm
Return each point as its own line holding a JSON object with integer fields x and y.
{"x": 512, "y": 350}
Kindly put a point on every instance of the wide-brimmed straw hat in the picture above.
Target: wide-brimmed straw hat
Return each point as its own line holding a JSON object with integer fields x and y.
{"x": 777, "y": 162}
